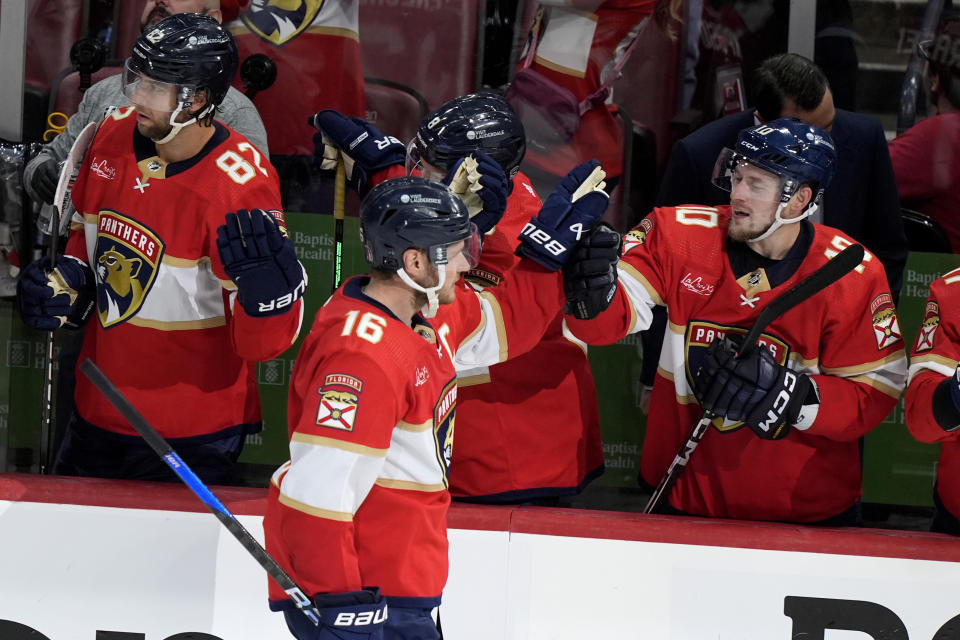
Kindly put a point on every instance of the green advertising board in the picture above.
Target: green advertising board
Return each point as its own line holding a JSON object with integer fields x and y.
{"x": 897, "y": 469}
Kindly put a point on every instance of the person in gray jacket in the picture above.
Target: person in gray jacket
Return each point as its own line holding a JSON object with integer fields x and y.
{"x": 236, "y": 111}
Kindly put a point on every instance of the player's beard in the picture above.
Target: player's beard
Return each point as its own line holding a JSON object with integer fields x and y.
{"x": 156, "y": 15}
{"x": 748, "y": 231}
{"x": 154, "y": 130}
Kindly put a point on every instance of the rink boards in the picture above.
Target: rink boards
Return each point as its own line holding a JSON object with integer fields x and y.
{"x": 97, "y": 560}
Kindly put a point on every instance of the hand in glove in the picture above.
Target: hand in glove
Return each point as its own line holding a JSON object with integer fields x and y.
{"x": 480, "y": 182}
{"x": 50, "y": 298}
{"x": 574, "y": 207}
{"x": 364, "y": 149}
{"x": 590, "y": 276}
{"x": 45, "y": 179}
{"x": 752, "y": 388}
{"x": 261, "y": 261}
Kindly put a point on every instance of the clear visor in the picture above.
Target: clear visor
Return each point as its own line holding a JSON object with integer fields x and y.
{"x": 745, "y": 181}
{"x": 417, "y": 166}
{"x": 146, "y": 92}
{"x": 469, "y": 248}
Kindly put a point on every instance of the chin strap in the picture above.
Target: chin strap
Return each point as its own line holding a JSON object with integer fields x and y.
{"x": 779, "y": 222}
{"x": 176, "y": 126}
{"x": 433, "y": 303}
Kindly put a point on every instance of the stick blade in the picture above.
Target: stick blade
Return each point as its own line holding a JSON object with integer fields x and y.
{"x": 68, "y": 176}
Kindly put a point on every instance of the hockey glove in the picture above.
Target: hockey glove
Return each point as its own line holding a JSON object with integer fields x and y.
{"x": 261, "y": 261}
{"x": 575, "y": 205}
{"x": 946, "y": 402}
{"x": 753, "y": 388}
{"x": 45, "y": 179}
{"x": 590, "y": 277}
{"x": 355, "y": 615}
{"x": 51, "y": 298}
{"x": 483, "y": 186}
{"x": 364, "y": 149}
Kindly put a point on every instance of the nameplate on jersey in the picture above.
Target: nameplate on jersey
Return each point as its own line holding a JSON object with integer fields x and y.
{"x": 886, "y": 327}
{"x": 701, "y": 334}
{"x": 281, "y": 22}
{"x": 126, "y": 259}
{"x": 339, "y": 401}
{"x": 928, "y": 330}
{"x": 443, "y": 425}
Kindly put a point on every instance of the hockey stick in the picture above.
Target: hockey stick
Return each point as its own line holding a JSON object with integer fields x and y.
{"x": 845, "y": 262}
{"x": 169, "y": 456}
{"x": 57, "y": 225}
{"x": 339, "y": 201}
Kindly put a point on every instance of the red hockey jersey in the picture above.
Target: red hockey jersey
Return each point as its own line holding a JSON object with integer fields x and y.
{"x": 935, "y": 355}
{"x": 847, "y": 338}
{"x": 363, "y": 500}
{"x": 528, "y": 427}
{"x": 316, "y": 48}
{"x": 169, "y": 332}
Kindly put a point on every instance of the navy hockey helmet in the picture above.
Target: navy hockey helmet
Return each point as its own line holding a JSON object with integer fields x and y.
{"x": 473, "y": 122}
{"x": 188, "y": 50}
{"x": 801, "y": 154}
{"x": 414, "y": 213}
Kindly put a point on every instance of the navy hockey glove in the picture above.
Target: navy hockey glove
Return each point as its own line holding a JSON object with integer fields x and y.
{"x": 753, "y": 389}
{"x": 364, "y": 149}
{"x": 567, "y": 216}
{"x": 356, "y": 615}
{"x": 51, "y": 298}
{"x": 261, "y": 261}
{"x": 480, "y": 182}
{"x": 590, "y": 277}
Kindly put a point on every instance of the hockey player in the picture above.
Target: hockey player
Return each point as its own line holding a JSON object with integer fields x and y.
{"x": 184, "y": 303}
{"x": 933, "y": 395}
{"x": 236, "y": 111}
{"x": 829, "y": 370}
{"x": 358, "y": 514}
{"x": 528, "y": 427}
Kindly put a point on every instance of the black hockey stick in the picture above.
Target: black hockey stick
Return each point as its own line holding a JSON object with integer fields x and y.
{"x": 165, "y": 451}
{"x": 845, "y": 262}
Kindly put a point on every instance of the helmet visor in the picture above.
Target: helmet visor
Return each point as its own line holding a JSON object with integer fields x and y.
{"x": 146, "y": 92}
{"x": 744, "y": 180}
{"x": 417, "y": 166}
{"x": 469, "y": 248}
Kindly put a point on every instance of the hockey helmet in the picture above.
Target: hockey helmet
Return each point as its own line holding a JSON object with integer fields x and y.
{"x": 414, "y": 213}
{"x": 186, "y": 51}
{"x": 473, "y": 122}
{"x": 799, "y": 153}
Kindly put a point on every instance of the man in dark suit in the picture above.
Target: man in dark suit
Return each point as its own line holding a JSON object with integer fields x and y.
{"x": 861, "y": 200}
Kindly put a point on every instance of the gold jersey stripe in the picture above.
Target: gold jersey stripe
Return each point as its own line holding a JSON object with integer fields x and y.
{"x": 390, "y": 483}
{"x": 353, "y": 447}
{"x": 327, "y": 514}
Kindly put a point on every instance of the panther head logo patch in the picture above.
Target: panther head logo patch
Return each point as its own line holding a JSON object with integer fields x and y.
{"x": 126, "y": 259}
{"x": 280, "y": 21}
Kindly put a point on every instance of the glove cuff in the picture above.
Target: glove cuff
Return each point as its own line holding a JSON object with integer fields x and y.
{"x": 945, "y": 408}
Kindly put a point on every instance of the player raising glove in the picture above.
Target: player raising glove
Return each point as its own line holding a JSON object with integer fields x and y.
{"x": 569, "y": 213}
{"x": 754, "y": 389}
{"x": 364, "y": 149}
{"x": 51, "y": 298}
{"x": 480, "y": 182}
{"x": 590, "y": 277}
{"x": 261, "y": 261}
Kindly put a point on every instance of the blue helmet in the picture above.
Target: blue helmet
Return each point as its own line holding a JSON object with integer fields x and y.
{"x": 473, "y": 122}
{"x": 411, "y": 213}
{"x": 801, "y": 154}
{"x": 190, "y": 51}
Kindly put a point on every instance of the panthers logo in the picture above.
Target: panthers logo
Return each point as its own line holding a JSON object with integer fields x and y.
{"x": 126, "y": 259}
{"x": 444, "y": 419}
{"x": 280, "y": 21}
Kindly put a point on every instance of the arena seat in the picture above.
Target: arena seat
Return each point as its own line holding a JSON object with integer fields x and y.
{"x": 394, "y": 108}
{"x": 65, "y": 93}
{"x": 436, "y": 51}
{"x": 924, "y": 233}
{"x": 52, "y": 28}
